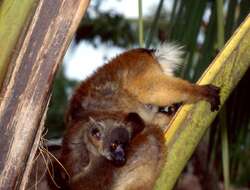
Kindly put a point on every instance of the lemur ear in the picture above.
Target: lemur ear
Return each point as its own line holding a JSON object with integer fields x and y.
{"x": 136, "y": 123}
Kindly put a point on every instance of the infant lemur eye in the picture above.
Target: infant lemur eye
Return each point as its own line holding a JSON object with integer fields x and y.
{"x": 113, "y": 146}
{"x": 95, "y": 132}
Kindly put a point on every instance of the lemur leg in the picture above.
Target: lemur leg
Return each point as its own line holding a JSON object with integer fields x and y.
{"x": 159, "y": 89}
{"x": 161, "y": 120}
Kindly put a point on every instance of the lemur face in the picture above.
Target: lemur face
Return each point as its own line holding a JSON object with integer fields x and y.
{"x": 110, "y": 136}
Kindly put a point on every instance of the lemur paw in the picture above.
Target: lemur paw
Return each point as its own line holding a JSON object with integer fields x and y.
{"x": 212, "y": 94}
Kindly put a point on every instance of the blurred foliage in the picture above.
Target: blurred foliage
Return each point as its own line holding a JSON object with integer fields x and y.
{"x": 238, "y": 117}
{"x": 58, "y": 103}
{"x": 199, "y": 34}
{"x": 107, "y": 27}
{"x": 194, "y": 24}
{"x": 112, "y": 27}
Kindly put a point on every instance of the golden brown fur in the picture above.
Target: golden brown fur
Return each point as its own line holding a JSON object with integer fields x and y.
{"x": 135, "y": 82}
{"x": 146, "y": 158}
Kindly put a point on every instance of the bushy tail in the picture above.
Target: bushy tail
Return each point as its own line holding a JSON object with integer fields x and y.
{"x": 169, "y": 56}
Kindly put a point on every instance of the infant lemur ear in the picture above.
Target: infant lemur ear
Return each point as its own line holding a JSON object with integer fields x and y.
{"x": 136, "y": 123}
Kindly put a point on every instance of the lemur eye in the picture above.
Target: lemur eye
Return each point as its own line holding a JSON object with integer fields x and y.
{"x": 169, "y": 110}
{"x": 113, "y": 146}
{"x": 95, "y": 132}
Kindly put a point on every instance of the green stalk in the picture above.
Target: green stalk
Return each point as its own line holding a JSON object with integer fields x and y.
{"x": 191, "y": 121}
{"x": 225, "y": 149}
{"x": 230, "y": 19}
{"x": 222, "y": 115}
{"x": 220, "y": 23}
{"x": 140, "y": 24}
{"x": 154, "y": 24}
{"x": 173, "y": 13}
{"x": 207, "y": 52}
{"x": 190, "y": 36}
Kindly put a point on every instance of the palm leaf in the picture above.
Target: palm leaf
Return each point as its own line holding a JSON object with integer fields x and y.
{"x": 191, "y": 121}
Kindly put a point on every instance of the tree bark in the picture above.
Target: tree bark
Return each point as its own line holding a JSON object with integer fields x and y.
{"x": 27, "y": 86}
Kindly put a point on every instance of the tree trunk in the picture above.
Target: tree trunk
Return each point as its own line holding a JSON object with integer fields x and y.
{"x": 43, "y": 38}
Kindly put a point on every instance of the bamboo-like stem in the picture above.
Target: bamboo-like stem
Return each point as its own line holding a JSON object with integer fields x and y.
{"x": 42, "y": 41}
{"x": 190, "y": 123}
{"x": 225, "y": 149}
{"x": 220, "y": 24}
{"x": 154, "y": 24}
{"x": 140, "y": 24}
{"x": 222, "y": 114}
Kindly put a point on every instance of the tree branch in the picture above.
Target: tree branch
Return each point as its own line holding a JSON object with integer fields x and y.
{"x": 191, "y": 121}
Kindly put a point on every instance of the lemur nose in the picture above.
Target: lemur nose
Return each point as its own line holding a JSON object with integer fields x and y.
{"x": 119, "y": 156}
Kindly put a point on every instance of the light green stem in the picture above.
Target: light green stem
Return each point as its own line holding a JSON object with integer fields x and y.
{"x": 191, "y": 121}
{"x": 222, "y": 115}
{"x": 225, "y": 149}
{"x": 220, "y": 24}
{"x": 140, "y": 24}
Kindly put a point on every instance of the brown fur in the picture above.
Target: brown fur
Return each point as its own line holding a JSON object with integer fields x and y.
{"x": 135, "y": 82}
{"x": 90, "y": 171}
{"x": 132, "y": 82}
{"x": 146, "y": 158}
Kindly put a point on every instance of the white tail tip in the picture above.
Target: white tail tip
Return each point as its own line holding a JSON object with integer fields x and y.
{"x": 169, "y": 56}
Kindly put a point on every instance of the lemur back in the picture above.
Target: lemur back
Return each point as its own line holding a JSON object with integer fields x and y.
{"x": 141, "y": 81}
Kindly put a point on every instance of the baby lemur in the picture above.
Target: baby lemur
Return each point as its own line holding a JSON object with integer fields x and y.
{"x": 111, "y": 151}
{"x": 141, "y": 81}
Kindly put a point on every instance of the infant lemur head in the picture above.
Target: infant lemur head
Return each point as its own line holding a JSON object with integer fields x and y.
{"x": 109, "y": 135}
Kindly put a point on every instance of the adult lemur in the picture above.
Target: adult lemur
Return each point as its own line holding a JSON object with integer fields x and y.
{"x": 113, "y": 138}
{"x": 141, "y": 81}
